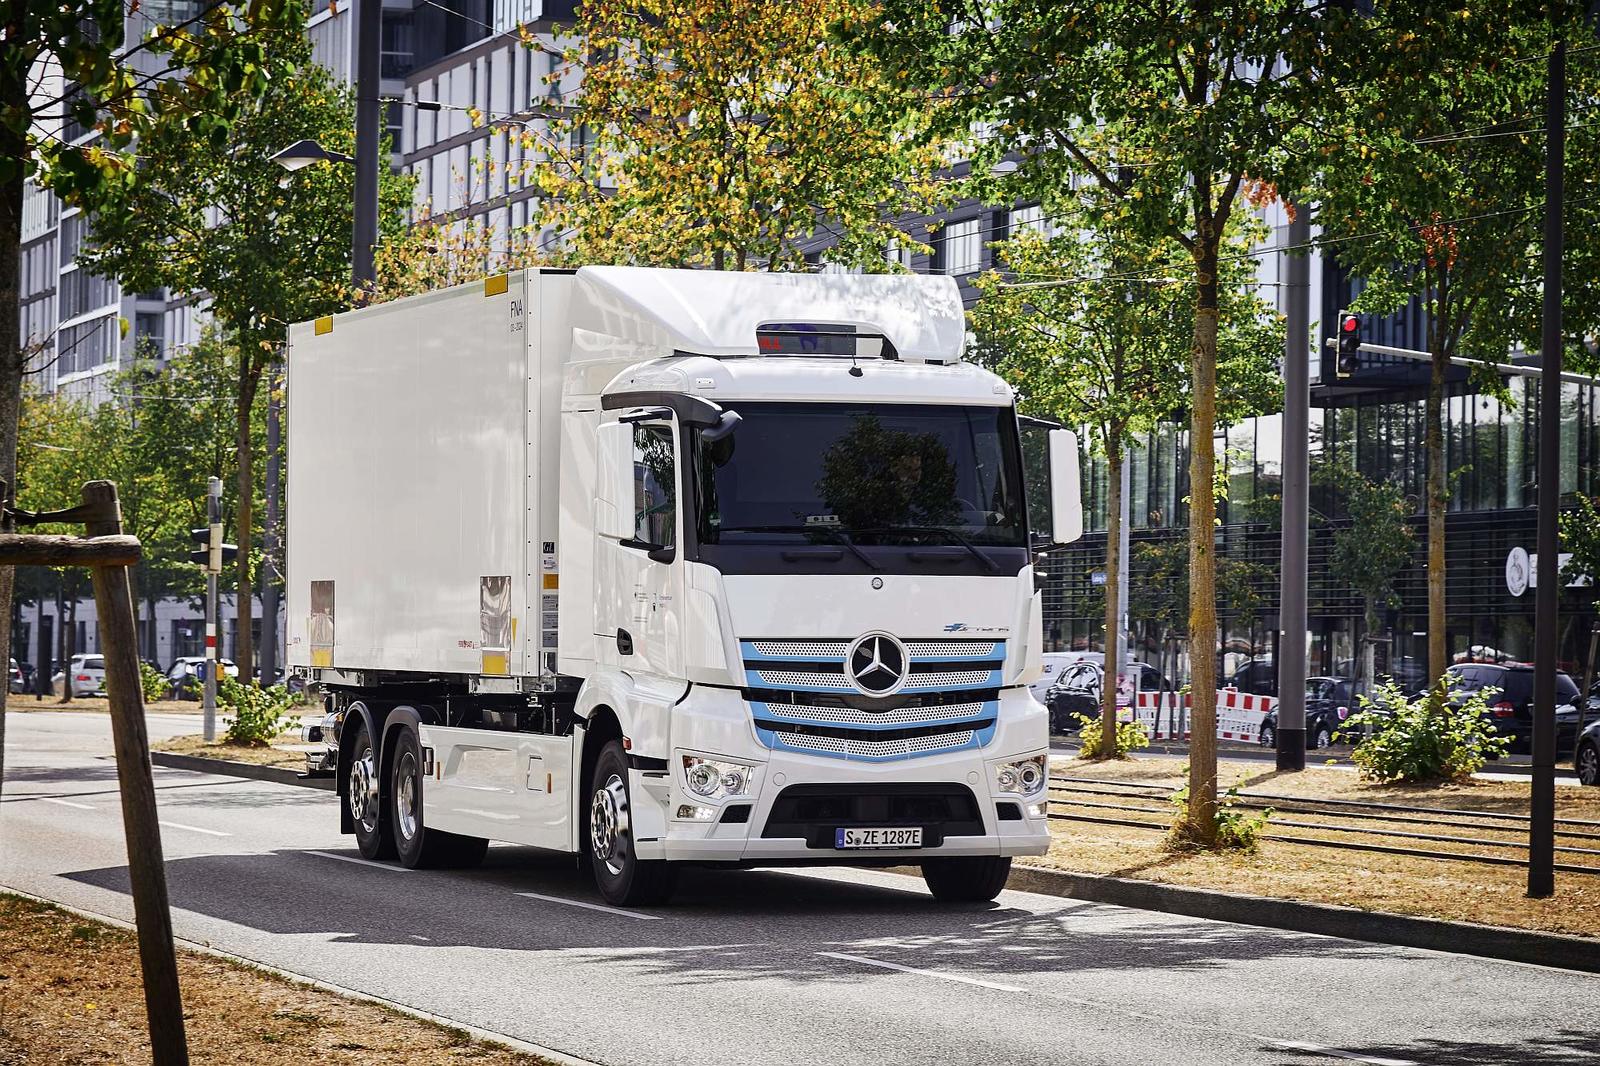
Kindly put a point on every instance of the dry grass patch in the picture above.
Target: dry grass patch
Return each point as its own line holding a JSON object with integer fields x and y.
{"x": 1458, "y": 891}
{"x": 26, "y": 704}
{"x": 281, "y": 753}
{"x": 70, "y": 992}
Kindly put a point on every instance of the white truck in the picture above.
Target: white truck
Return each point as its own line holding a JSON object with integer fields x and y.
{"x": 672, "y": 566}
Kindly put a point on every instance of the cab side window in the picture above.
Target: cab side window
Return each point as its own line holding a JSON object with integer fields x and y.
{"x": 655, "y": 486}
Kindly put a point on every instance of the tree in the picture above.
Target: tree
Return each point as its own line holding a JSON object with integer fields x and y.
{"x": 1372, "y": 550}
{"x": 1172, "y": 114}
{"x": 63, "y": 68}
{"x": 214, "y": 219}
{"x": 1580, "y": 535}
{"x": 725, "y": 134}
{"x": 1433, "y": 192}
{"x": 1110, "y": 355}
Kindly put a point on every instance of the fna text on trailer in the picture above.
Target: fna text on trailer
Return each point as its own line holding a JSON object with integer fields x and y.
{"x": 659, "y": 567}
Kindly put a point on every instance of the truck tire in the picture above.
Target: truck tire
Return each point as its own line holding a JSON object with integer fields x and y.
{"x": 623, "y": 878}
{"x": 966, "y": 879}
{"x": 363, "y": 794}
{"x": 418, "y": 846}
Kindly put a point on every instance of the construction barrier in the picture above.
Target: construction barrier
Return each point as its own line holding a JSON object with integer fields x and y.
{"x": 1239, "y": 714}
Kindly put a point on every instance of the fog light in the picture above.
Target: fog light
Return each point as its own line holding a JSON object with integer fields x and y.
{"x": 696, "y": 814}
{"x": 1038, "y": 810}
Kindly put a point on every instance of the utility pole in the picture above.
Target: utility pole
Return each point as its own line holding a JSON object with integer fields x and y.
{"x": 1291, "y": 753}
{"x": 1541, "y": 825}
{"x": 364, "y": 235}
{"x": 268, "y": 654}
{"x": 213, "y": 568}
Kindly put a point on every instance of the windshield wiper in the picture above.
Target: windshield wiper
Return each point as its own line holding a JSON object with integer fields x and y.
{"x": 955, "y": 534}
{"x": 828, "y": 531}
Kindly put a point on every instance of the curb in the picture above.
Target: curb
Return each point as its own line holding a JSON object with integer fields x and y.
{"x": 1323, "y": 919}
{"x": 229, "y": 768}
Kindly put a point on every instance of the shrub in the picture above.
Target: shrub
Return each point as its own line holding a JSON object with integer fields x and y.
{"x": 257, "y": 714}
{"x": 1130, "y": 737}
{"x": 153, "y": 682}
{"x": 1424, "y": 739}
{"x": 1235, "y": 830}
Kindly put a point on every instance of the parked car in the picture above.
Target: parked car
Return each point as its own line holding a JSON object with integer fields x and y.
{"x": 1586, "y": 759}
{"x": 1054, "y": 663}
{"x": 1508, "y": 689}
{"x": 88, "y": 673}
{"x": 1258, "y": 676}
{"x": 1077, "y": 691}
{"x": 19, "y": 679}
{"x": 185, "y": 675}
{"x": 1328, "y": 703}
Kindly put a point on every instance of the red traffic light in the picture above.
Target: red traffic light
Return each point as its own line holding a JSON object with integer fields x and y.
{"x": 1351, "y": 324}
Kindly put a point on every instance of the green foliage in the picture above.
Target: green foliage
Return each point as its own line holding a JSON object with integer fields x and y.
{"x": 258, "y": 714}
{"x": 1236, "y": 830}
{"x": 153, "y": 683}
{"x": 1580, "y": 535}
{"x": 1131, "y": 736}
{"x": 1425, "y": 739}
{"x": 1371, "y": 551}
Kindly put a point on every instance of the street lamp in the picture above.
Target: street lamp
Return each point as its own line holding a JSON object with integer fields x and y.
{"x": 302, "y": 154}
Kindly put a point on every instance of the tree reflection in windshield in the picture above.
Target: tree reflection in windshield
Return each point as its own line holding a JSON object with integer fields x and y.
{"x": 874, "y": 477}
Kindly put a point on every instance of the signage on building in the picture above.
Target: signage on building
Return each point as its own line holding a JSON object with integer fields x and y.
{"x": 1522, "y": 571}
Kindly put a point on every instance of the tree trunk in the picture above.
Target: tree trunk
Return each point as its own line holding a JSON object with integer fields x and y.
{"x": 1438, "y": 493}
{"x": 243, "y": 645}
{"x": 1113, "y": 638}
{"x": 150, "y": 617}
{"x": 1201, "y": 820}
{"x": 71, "y": 649}
{"x": 11, "y": 358}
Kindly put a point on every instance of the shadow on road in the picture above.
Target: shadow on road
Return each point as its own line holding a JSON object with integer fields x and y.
{"x": 1569, "y": 1047}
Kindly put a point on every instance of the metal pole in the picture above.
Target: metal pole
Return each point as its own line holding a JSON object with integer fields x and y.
{"x": 1541, "y": 827}
{"x": 1123, "y": 653}
{"x": 269, "y": 577}
{"x": 364, "y": 235}
{"x": 1291, "y": 754}
{"x": 213, "y": 566}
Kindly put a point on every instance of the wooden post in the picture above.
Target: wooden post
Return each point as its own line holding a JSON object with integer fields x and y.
{"x": 146, "y": 866}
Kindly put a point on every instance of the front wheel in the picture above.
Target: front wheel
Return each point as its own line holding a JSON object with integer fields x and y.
{"x": 967, "y": 879}
{"x": 418, "y": 846}
{"x": 622, "y": 877}
{"x": 1587, "y": 764}
{"x": 1269, "y": 735}
{"x": 1321, "y": 738}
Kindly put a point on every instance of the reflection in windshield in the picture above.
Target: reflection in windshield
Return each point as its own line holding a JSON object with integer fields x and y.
{"x": 905, "y": 474}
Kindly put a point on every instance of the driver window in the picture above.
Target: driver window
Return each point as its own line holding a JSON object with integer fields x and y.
{"x": 655, "y": 493}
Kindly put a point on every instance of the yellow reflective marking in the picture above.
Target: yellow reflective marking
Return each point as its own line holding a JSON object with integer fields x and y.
{"x": 322, "y": 325}
{"x": 494, "y": 286}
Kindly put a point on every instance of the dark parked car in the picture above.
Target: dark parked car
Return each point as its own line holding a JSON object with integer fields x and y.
{"x": 1328, "y": 704}
{"x": 1259, "y": 676}
{"x": 1508, "y": 689}
{"x": 1077, "y": 692}
{"x": 1586, "y": 761}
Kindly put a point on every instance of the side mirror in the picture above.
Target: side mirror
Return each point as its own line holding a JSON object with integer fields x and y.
{"x": 613, "y": 506}
{"x": 1066, "y": 487}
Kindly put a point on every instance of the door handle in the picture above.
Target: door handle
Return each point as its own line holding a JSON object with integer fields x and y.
{"x": 624, "y": 642}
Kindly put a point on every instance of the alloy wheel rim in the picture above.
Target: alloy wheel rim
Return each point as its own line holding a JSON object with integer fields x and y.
{"x": 406, "y": 797}
{"x": 364, "y": 790}
{"x": 1589, "y": 765}
{"x": 609, "y": 824}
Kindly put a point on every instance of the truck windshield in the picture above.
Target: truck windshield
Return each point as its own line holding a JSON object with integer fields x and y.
{"x": 873, "y": 486}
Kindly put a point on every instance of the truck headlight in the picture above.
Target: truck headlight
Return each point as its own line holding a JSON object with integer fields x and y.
{"x": 714, "y": 779}
{"x": 1021, "y": 777}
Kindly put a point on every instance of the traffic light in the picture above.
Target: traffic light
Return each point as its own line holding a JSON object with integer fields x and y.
{"x": 201, "y": 555}
{"x": 205, "y": 556}
{"x": 1349, "y": 343}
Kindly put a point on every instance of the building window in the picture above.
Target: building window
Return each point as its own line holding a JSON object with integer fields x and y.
{"x": 86, "y": 345}
{"x": 1028, "y": 219}
{"x": 961, "y": 247}
{"x": 897, "y": 253}
{"x": 398, "y": 53}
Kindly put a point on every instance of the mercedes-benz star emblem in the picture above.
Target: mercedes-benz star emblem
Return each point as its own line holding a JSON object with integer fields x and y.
{"x": 876, "y": 663}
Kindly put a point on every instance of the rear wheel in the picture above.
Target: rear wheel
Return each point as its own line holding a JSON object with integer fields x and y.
{"x": 1587, "y": 764}
{"x": 374, "y": 834}
{"x": 1269, "y": 735}
{"x": 623, "y": 878}
{"x": 1321, "y": 738}
{"x": 418, "y": 846}
{"x": 967, "y": 879}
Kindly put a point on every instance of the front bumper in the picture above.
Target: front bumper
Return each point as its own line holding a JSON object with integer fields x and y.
{"x": 798, "y": 800}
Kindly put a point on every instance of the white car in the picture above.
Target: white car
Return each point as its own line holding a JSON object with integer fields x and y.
{"x": 88, "y": 674}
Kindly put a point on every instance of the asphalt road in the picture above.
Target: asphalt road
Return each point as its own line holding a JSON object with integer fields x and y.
{"x": 750, "y": 967}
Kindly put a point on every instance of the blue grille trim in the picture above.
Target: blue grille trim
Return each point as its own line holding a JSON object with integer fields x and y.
{"x": 988, "y": 713}
{"x": 979, "y": 739}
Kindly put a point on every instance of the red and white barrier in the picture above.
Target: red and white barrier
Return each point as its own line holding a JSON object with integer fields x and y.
{"x": 1239, "y": 714}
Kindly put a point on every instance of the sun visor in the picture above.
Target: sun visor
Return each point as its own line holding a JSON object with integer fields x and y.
{"x": 718, "y": 313}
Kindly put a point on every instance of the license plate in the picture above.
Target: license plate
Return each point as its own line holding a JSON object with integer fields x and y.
{"x": 878, "y": 838}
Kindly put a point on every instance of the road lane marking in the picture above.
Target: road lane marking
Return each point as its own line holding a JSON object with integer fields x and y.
{"x": 921, "y": 973}
{"x": 197, "y": 829}
{"x": 593, "y": 906}
{"x": 361, "y": 862}
{"x": 1332, "y": 1052}
{"x": 66, "y": 803}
